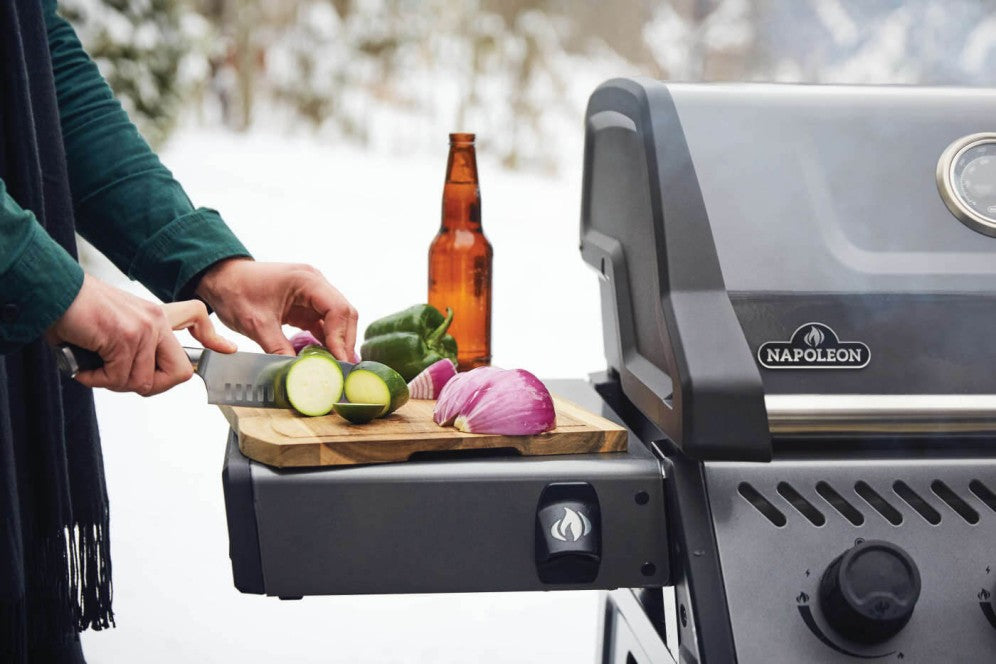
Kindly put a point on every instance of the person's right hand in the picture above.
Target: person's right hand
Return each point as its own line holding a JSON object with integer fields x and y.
{"x": 132, "y": 335}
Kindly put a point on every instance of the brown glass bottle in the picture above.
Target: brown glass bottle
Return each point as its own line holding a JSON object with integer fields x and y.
{"x": 460, "y": 258}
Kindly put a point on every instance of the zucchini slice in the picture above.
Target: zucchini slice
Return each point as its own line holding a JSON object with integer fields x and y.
{"x": 373, "y": 382}
{"x": 311, "y": 384}
{"x": 358, "y": 413}
{"x": 313, "y": 350}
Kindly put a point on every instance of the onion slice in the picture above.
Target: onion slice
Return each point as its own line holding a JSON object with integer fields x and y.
{"x": 457, "y": 391}
{"x": 303, "y": 339}
{"x": 508, "y": 402}
{"x": 430, "y": 382}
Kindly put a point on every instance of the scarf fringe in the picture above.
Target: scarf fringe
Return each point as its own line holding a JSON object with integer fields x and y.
{"x": 72, "y": 585}
{"x": 90, "y": 576}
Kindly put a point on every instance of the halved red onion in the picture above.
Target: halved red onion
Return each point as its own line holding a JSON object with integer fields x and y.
{"x": 456, "y": 392}
{"x": 430, "y": 382}
{"x": 303, "y": 339}
{"x": 512, "y": 402}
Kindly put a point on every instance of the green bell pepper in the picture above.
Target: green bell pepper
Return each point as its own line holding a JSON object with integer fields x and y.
{"x": 410, "y": 340}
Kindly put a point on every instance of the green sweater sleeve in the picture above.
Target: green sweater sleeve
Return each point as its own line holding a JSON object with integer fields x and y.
{"x": 127, "y": 203}
{"x": 38, "y": 279}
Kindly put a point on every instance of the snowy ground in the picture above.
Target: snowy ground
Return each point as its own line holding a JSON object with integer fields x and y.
{"x": 366, "y": 221}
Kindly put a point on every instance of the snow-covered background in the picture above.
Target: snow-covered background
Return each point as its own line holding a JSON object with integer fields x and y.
{"x": 395, "y": 75}
{"x": 318, "y": 128}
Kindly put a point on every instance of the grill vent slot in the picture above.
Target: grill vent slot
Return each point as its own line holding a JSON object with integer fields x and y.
{"x": 853, "y": 513}
{"x": 983, "y": 493}
{"x": 954, "y": 501}
{"x": 803, "y": 506}
{"x": 914, "y": 500}
{"x": 839, "y": 503}
{"x": 878, "y": 503}
{"x": 761, "y": 504}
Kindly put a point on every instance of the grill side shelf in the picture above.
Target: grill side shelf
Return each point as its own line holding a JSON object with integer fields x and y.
{"x": 461, "y": 524}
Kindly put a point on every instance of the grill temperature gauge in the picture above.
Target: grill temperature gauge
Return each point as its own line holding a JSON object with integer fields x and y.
{"x": 966, "y": 180}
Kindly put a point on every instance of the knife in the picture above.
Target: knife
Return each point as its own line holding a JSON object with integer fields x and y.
{"x": 231, "y": 379}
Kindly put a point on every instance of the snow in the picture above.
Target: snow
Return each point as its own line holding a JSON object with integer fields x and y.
{"x": 838, "y": 22}
{"x": 927, "y": 42}
{"x": 366, "y": 220}
{"x": 882, "y": 57}
{"x": 728, "y": 27}
{"x": 979, "y": 46}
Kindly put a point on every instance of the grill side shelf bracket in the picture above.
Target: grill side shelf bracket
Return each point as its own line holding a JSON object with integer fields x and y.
{"x": 243, "y": 535}
{"x": 671, "y": 332}
{"x": 704, "y": 627}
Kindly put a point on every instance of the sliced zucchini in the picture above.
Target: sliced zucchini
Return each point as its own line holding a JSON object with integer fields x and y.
{"x": 373, "y": 382}
{"x": 358, "y": 413}
{"x": 314, "y": 349}
{"x": 311, "y": 384}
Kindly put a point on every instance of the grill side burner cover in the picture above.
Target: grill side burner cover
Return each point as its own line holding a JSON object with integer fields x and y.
{"x": 568, "y": 533}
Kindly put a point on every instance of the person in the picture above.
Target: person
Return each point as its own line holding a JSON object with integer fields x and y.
{"x": 70, "y": 160}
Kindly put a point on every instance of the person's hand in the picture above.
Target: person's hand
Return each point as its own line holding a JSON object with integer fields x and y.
{"x": 255, "y": 299}
{"x": 193, "y": 315}
{"x": 133, "y": 336}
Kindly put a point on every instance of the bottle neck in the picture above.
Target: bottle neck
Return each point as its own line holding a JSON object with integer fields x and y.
{"x": 461, "y": 167}
{"x": 461, "y": 195}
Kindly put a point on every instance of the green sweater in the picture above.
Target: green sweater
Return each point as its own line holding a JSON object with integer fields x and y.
{"x": 126, "y": 203}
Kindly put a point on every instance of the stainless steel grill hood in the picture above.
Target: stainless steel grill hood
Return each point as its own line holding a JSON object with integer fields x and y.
{"x": 737, "y": 217}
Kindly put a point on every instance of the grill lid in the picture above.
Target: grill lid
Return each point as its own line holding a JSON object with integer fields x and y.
{"x": 785, "y": 259}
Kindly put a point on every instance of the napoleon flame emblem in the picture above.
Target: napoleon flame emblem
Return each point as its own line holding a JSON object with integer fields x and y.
{"x": 813, "y": 346}
{"x": 571, "y": 527}
{"x": 814, "y": 337}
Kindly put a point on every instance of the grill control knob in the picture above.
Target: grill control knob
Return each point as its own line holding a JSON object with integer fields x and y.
{"x": 869, "y": 591}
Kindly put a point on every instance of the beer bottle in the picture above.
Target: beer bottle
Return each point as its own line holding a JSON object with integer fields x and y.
{"x": 460, "y": 258}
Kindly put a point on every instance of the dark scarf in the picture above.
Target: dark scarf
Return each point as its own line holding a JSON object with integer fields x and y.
{"x": 55, "y": 571}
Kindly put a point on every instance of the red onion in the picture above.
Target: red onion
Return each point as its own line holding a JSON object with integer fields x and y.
{"x": 456, "y": 392}
{"x": 508, "y": 402}
{"x": 430, "y": 382}
{"x": 303, "y": 339}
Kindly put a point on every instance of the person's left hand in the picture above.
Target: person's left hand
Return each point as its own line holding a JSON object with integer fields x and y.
{"x": 255, "y": 299}
{"x": 193, "y": 315}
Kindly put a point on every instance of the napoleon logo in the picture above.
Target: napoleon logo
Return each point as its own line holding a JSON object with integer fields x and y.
{"x": 813, "y": 346}
{"x": 571, "y": 527}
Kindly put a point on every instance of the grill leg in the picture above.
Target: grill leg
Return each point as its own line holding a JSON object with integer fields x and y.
{"x": 627, "y": 635}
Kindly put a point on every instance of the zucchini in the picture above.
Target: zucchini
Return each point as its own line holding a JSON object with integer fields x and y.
{"x": 358, "y": 413}
{"x": 310, "y": 384}
{"x": 373, "y": 382}
{"x": 313, "y": 350}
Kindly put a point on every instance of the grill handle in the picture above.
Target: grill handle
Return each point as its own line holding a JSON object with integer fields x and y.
{"x": 669, "y": 326}
{"x": 851, "y": 415}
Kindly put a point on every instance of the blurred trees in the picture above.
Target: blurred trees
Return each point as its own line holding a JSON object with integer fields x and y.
{"x": 399, "y": 74}
{"x": 148, "y": 52}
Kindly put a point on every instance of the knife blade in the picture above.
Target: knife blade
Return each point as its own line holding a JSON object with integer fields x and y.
{"x": 231, "y": 379}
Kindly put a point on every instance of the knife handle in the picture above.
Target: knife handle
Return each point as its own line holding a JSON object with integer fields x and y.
{"x": 72, "y": 359}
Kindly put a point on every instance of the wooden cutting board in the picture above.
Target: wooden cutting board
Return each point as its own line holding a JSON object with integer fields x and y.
{"x": 285, "y": 439}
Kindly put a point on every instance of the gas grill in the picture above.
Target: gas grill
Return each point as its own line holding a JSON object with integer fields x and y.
{"x": 798, "y": 285}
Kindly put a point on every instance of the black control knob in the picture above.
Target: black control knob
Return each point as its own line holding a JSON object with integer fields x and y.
{"x": 869, "y": 591}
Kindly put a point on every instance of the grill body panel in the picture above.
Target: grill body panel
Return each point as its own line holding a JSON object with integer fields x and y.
{"x": 765, "y": 565}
